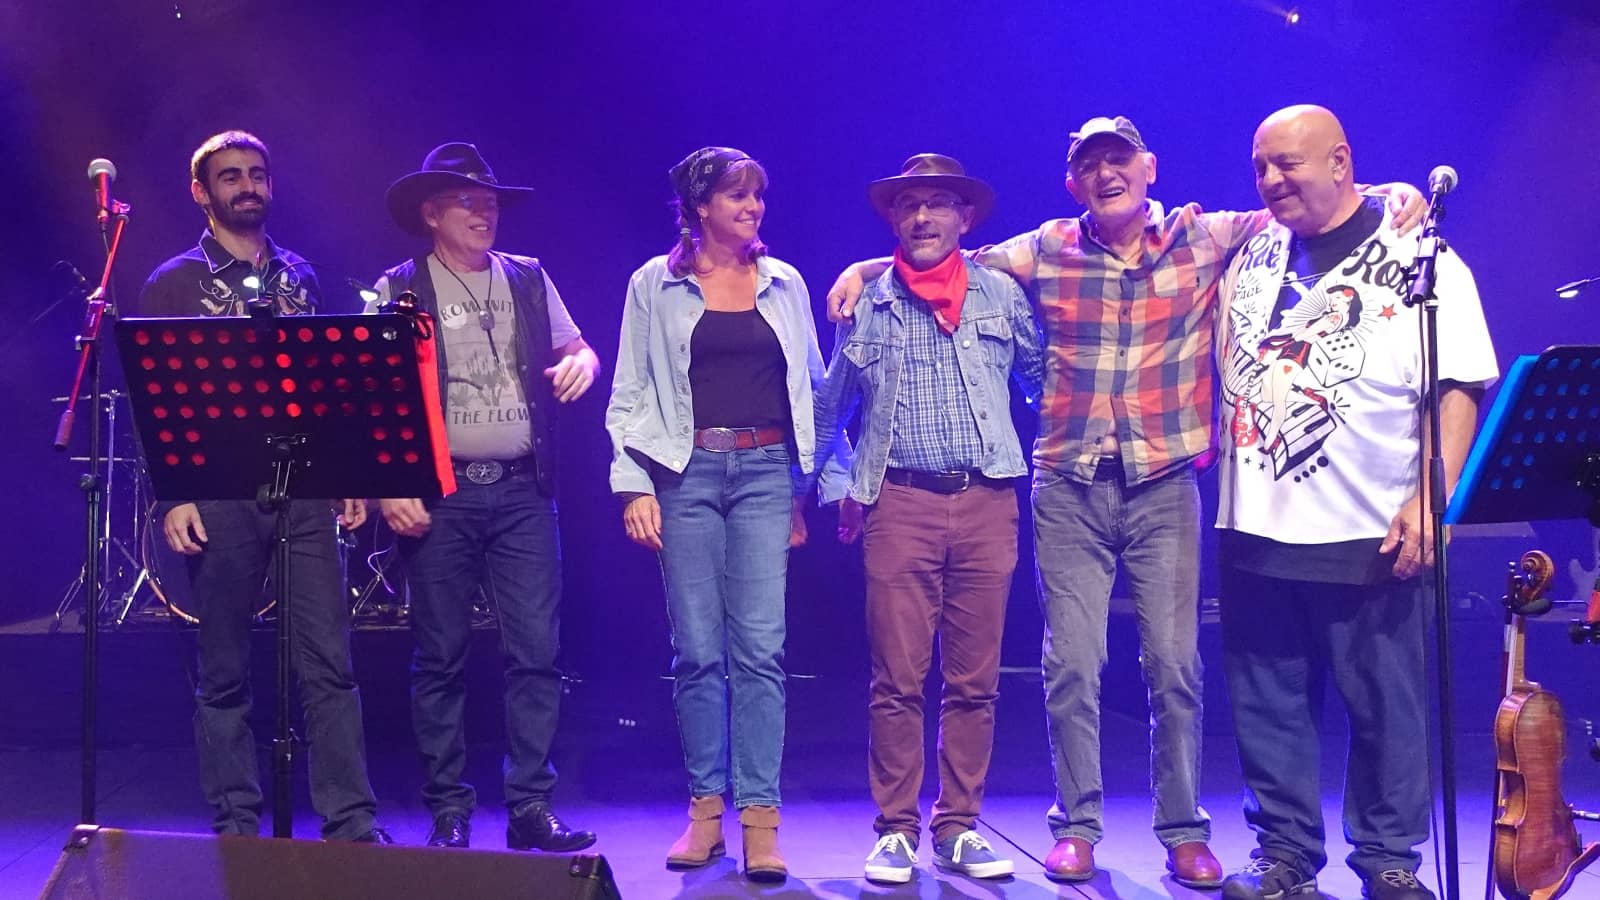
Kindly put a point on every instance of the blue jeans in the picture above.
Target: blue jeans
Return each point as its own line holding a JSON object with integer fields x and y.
{"x": 226, "y": 580}
{"x": 503, "y": 537}
{"x": 725, "y": 557}
{"x": 1080, "y": 532}
{"x": 1281, "y": 643}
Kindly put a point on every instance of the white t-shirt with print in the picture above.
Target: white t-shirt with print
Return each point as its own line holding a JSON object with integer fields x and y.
{"x": 1321, "y": 416}
{"x": 486, "y": 411}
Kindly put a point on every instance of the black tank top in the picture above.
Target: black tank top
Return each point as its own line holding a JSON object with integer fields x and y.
{"x": 737, "y": 372}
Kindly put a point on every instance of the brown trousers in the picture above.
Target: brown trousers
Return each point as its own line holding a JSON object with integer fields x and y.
{"x": 935, "y": 563}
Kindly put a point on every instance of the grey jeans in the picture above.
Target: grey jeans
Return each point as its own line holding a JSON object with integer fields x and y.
{"x": 1081, "y": 532}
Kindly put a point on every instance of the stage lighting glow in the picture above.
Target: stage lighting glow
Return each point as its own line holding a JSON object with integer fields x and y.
{"x": 1291, "y": 18}
{"x": 1567, "y": 294}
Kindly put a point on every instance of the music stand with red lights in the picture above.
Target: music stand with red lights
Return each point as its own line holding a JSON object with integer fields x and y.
{"x": 302, "y": 407}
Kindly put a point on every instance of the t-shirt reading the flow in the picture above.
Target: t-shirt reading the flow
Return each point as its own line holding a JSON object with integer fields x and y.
{"x": 1321, "y": 384}
{"x": 486, "y": 411}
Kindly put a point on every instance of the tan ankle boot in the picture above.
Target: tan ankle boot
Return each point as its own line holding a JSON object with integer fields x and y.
{"x": 701, "y": 842}
{"x": 762, "y": 861}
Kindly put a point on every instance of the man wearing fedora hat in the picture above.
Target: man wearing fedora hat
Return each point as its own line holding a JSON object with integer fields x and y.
{"x": 1126, "y": 295}
{"x": 228, "y": 544}
{"x": 927, "y": 360}
{"x": 508, "y": 356}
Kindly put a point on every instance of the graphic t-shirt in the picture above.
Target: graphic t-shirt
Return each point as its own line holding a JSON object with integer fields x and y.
{"x": 486, "y": 411}
{"x": 1322, "y": 378}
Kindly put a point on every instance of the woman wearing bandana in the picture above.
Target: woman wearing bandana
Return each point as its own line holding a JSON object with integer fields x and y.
{"x": 712, "y": 433}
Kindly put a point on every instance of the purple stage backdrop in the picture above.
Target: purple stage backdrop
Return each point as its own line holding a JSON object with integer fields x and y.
{"x": 591, "y": 102}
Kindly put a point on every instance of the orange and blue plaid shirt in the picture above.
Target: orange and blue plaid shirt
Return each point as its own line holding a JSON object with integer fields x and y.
{"x": 1128, "y": 345}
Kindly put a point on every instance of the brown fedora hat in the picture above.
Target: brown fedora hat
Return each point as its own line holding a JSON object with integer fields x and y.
{"x": 932, "y": 170}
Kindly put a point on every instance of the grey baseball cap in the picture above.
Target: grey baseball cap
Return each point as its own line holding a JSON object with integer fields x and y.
{"x": 1120, "y": 126}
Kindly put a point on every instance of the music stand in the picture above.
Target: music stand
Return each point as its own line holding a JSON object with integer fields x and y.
{"x": 1538, "y": 454}
{"x": 302, "y": 407}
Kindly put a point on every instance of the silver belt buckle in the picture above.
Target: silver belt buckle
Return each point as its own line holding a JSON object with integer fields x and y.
{"x": 719, "y": 440}
{"x": 485, "y": 471}
{"x": 966, "y": 481}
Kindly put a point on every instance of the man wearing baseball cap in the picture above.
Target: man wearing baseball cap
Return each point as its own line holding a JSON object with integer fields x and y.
{"x": 508, "y": 356}
{"x": 1126, "y": 294}
{"x": 927, "y": 361}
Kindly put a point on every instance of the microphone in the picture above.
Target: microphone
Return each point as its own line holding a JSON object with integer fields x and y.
{"x": 1573, "y": 288}
{"x": 363, "y": 290}
{"x": 101, "y": 173}
{"x": 1442, "y": 180}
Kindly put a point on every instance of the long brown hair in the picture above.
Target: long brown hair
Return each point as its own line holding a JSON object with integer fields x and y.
{"x": 684, "y": 255}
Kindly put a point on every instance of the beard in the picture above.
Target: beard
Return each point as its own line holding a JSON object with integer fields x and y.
{"x": 237, "y": 219}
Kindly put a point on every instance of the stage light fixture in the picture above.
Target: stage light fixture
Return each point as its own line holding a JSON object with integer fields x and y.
{"x": 1291, "y": 18}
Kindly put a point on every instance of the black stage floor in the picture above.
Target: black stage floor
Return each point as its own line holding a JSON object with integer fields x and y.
{"x": 621, "y": 771}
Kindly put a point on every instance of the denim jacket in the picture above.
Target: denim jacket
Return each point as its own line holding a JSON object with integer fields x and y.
{"x": 651, "y": 414}
{"x": 996, "y": 340}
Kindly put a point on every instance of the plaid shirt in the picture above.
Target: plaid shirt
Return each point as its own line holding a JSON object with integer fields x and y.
{"x": 934, "y": 428}
{"x": 1129, "y": 347}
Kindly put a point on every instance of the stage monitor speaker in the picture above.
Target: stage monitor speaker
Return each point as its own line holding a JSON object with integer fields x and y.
{"x": 105, "y": 863}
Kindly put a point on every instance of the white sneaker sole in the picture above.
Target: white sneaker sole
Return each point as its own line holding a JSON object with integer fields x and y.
{"x": 889, "y": 874}
{"x": 1000, "y": 868}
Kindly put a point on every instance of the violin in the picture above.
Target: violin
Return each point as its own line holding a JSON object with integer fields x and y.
{"x": 1537, "y": 852}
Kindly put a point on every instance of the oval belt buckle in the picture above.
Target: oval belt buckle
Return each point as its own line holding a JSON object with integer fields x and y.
{"x": 484, "y": 471}
{"x": 719, "y": 440}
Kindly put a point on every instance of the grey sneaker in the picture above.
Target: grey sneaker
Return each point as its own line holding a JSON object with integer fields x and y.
{"x": 1266, "y": 878}
{"x": 1395, "y": 884}
{"x": 892, "y": 860}
{"x": 969, "y": 854}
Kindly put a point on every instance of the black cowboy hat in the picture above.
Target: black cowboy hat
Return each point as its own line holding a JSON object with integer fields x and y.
{"x": 932, "y": 170}
{"x": 452, "y": 165}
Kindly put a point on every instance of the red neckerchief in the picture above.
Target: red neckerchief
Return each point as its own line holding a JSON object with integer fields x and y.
{"x": 942, "y": 287}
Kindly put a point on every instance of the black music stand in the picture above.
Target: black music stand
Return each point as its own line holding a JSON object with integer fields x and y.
{"x": 302, "y": 407}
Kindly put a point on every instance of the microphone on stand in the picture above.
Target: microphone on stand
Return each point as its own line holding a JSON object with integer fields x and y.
{"x": 1442, "y": 180}
{"x": 101, "y": 173}
{"x": 1573, "y": 288}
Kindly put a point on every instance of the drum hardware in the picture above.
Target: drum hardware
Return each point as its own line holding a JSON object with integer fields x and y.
{"x": 124, "y": 575}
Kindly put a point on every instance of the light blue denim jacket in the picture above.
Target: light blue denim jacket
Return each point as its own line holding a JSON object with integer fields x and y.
{"x": 997, "y": 340}
{"x": 651, "y": 414}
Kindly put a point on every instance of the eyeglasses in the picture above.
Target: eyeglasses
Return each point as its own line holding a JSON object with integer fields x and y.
{"x": 906, "y": 207}
{"x": 468, "y": 202}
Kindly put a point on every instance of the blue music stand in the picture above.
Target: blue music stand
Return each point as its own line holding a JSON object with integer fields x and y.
{"x": 1538, "y": 454}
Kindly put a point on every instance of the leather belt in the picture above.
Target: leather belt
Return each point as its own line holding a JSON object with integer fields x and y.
{"x": 489, "y": 471}
{"x": 942, "y": 482}
{"x": 1109, "y": 468}
{"x": 727, "y": 440}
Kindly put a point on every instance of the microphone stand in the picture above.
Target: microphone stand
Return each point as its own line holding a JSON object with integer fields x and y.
{"x": 1421, "y": 293}
{"x": 87, "y": 343}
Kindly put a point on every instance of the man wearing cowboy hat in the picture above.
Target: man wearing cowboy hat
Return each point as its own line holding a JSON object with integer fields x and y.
{"x": 508, "y": 356}
{"x": 928, "y": 357}
{"x": 1127, "y": 297}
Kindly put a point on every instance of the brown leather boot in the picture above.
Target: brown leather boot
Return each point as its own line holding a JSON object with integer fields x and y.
{"x": 701, "y": 842}
{"x": 762, "y": 861}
